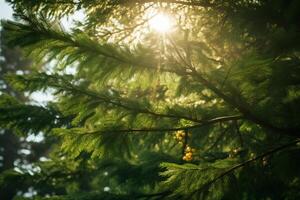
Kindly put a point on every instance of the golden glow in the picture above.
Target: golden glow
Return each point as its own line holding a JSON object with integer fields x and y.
{"x": 161, "y": 23}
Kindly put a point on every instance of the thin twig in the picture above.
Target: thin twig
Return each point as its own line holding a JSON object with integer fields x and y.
{"x": 232, "y": 169}
{"x": 218, "y": 139}
{"x": 239, "y": 133}
{"x": 185, "y": 128}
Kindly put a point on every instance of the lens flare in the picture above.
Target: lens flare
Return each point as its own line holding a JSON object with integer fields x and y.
{"x": 161, "y": 23}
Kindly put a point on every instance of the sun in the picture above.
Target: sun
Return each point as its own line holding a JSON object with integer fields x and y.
{"x": 161, "y": 23}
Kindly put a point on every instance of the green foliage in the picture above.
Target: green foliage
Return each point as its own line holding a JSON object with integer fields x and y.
{"x": 189, "y": 114}
{"x": 199, "y": 179}
{"x": 28, "y": 118}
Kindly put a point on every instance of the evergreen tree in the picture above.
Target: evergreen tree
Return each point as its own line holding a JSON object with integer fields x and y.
{"x": 206, "y": 110}
{"x": 11, "y": 62}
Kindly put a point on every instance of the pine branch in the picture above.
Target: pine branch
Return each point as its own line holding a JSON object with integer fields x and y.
{"x": 145, "y": 130}
{"x": 243, "y": 107}
{"x": 240, "y": 105}
{"x": 62, "y": 84}
{"x": 229, "y": 171}
{"x": 67, "y": 86}
{"x": 43, "y": 31}
{"x": 127, "y": 107}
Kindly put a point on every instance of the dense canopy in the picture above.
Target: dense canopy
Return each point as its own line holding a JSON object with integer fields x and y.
{"x": 156, "y": 99}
